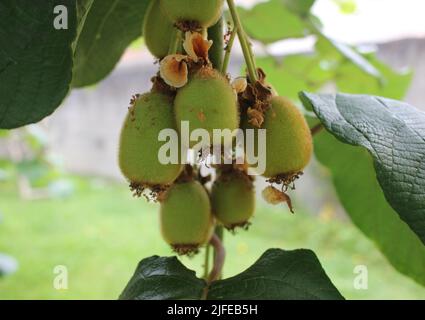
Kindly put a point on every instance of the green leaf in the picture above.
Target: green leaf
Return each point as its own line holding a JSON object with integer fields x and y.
{"x": 299, "y": 7}
{"x": 351, "y": 55}
{"x": 279, "y": 274}
{"x": 292, "y": 72}
{"x": 358, "y": 190}
{"x": 83, "y": 8}
{"x": 110, "y": 26}
{"x": 272, "y": 21}
{"x": 160, "y": 278}
{"x": 394, "y": 134}
{"x": 351, "y": 79}
{"x": 35, "y": 60}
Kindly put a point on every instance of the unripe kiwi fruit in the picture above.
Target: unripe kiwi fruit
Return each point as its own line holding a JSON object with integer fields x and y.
{"x": 288, "y": 139}
{"x": 139, "y": 145}
{"x": 207, "y": 101}
{"x": 186, "y": 219}
{"x": 233, "y": 199}
{"x": 157, "y": 30}
{"x": 204, "y": 12}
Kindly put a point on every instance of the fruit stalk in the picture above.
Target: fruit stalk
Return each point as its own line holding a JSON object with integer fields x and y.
{"x": 228, "y": 50}
{"x": 175, "y": 42}
{"x": 215, "y": 33}
{"x": 219, "y": 257}
{"x": 247, "y": 52}
{"x": 207, "y": 262}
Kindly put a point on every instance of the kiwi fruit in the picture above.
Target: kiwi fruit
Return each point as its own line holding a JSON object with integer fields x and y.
{"x": 157, "y": 30}
{"x": 138, "y": 148}
{"x": 186, "y": 219}
{"x": 233, "y": 199}
{"x": 204, "y": 13}
{"x": 208, "y": 102}
{"x": 288, "y": 139}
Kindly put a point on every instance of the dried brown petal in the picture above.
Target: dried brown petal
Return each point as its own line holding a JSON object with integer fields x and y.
{"x": 239, "y": 85}
{"x": 256, "y": 118}
{"x": 196, "y": 46}
{"x": 173, "y": 70}
{"x": 275, "y": 196}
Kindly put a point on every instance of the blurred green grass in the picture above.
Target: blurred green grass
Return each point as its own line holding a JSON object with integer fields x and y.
{"x": 101, "y": 232}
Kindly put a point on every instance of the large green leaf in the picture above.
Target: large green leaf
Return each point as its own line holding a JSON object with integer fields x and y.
{"x": 394, "y": 134}
{"x": 392, "y": 169}
{"x": 35, "y": 60}
{"x": 110, "y": 26}
{"x": 354, "y": 178}
{"x": 83, "y": 8}
{"x": 272, "y": 21}
{"x": 326, "y": 45}
{"x": 159, "y": 278}
{"x": 299, "y": 7}
{"x": 292, "y": 72}
{"x": 351, "y": 79}
{"x": 279, "y": 275}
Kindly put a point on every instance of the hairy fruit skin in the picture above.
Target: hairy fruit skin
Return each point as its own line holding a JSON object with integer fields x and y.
{"x": 233, "y": 200}
{"x": 204, "y": 12}
{"x": 186, "y": 219}
{"x": 207, "y": 102}
{"x": 157, "y": 30}
{"x": 289, "y": 143}
{"x": 139, "y": 145}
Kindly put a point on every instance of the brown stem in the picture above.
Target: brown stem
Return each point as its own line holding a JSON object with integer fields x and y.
{"x": 219, "y": 256}
{"x": 316, "y": 129}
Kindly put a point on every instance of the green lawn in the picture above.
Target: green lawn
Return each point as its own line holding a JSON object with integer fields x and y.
{"x": 101, "y": 232}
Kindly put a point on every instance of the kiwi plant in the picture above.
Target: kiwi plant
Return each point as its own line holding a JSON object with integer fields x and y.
{"x": 193, "y": 86}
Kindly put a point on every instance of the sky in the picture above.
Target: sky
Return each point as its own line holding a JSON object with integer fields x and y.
{"x": 373, "y": 21}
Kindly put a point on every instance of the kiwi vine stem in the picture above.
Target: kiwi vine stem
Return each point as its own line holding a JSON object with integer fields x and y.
{"x": 243, "y": 39}
{"x": 316, "y": 129}
{"x": 216, "y": 34}
{"x": 207, "y": 261}
{"x": 175, "y": 41}
{"x": 219, "y": 257}
{"x": 228, "y": 51}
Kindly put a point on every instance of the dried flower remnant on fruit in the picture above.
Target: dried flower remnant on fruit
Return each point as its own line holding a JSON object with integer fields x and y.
{"x": 275, "y": 196}
{"x": 239, "y": 84}
{"x": 197, "y": 46}
{"x": 173, "y": 70}
{"x": 152, "y": 193}
{"x": 256, "y": 118}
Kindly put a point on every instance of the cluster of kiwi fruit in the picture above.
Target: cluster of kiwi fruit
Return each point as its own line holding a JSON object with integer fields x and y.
{"x": 191, "y": 205}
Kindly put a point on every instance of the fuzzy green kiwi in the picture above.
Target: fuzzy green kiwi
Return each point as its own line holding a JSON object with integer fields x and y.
{"x": 138, "y": 148}
{"x": 186, "y": 219}
{"x": 157, "y": 30}
{"x": 233, "y": 199}
{"x": 207, "y": 102}
{"x": 203, "y": 12}
{"x": 288, "y": 139}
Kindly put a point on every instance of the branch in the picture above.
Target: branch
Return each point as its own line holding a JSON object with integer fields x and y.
{"x": 220, "y": 254}
{"x": 316, "y": 129}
